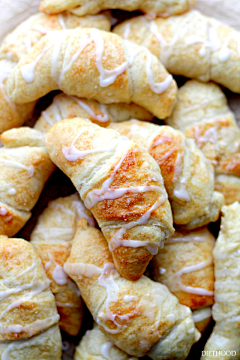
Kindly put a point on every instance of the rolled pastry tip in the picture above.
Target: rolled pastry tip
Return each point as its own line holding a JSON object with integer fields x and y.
{"x": 121, "y": 184}
{"x": 140, "y": 317}
{"x": 192, "y": 45}
{"x": 27, "y": 307}
{"x": 52, "y": 239}
{"x": 19, "y": 43}
{"x": 66, "y": 107}
{"x": 95, "y": 345}
{"x": 82, "y": 7}
{"x": 185, "y": 266}
{"x": 25, "y": 168}
{"x": 204, "y": 115}
{"x": 120, "y": 72}
{"x": 225, "y": 335}
{"x": 202, "y": 318}
{"x": 188, "y": 176}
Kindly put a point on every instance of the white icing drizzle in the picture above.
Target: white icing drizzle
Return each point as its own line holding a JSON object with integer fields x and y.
{"x": 101, "y": 117}
{"x": 58, "y": 273}
{"x": 16, "y": 164}
{"x": 117, "y": 240}
{"x": 210, "y": 135}
{"x": 225, "y": 53}
{"x": 60, "y": 304}
{"x": 174, "y": 281}
{"x": 36, "y": 288}
{"x": 3, "y": 211}
{"x": 170, "y": 317}
{"x": 81, "y": 210}
{"x": 180, "y": 190}
{"x": 107, "y": 77}
{"x": 12, "y": 191}
{"x": 40, "y": 29}
{"x": 47, "y": 118}
{"x": 129, "y": 298}
{"x": 105, "y": 350}
{"x": 61, "y": 21}
{"x": 71, "y": 153}
{"x": 175, "y": 239}
{"x": 27, "y": 71}
{"x": 4, "y": 74}
{"x": 27, "y": 42}
{"x": 127, "y": 30}
{"x": 202, "y": 314}
{"x": 32, "y": 328}
{"x": 81, "y": 269}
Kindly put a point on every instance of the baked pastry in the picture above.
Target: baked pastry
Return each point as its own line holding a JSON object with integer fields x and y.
{"x": 192, "y": 45}
{"x": 188, "y": 176}
{"x": 95, "y": 345}
{"x": 120, "y": 72}
{"x": 25, "y": 168}
{"x": 19, "y": 43}
{"x": 140, "y": 317}
{"x": 185, "y": 266}
{"x": 202, "y": 112}
{"x": 27, "y": 306}
{"x": 51, "y": 239}
{"x": 226, "y": 333}
{"x": 122, "y": 186}
{"x": 66, "y": 107}
{"x": 82, "y": 7}
{"x": 202, "y": 318}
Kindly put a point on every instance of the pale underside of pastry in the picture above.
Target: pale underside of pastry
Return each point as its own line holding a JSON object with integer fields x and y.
{"x": 120, "y": 72}
{"x": 191, "y": 45}
{"x": 82, "y": 7}
{"x": 122, "y": 186}
{"x": 202, "y": 112}
{"x": 185, "y": 266}
{"x": 51, "y": 238}
{"x": 19, "y": 43}
{"x": 28, "y": 309}
{"x": 25, "y": 168}
{"x": 188, "y": 176}
{"x": 66, "y": 107}
{"x": 226, "y": 336}
{"x": 95, "y": 345}
{"x": 140, "y": 317}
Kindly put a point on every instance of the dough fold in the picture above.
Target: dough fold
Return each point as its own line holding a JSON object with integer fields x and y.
{"x": 122, "y": 186}
{"x": 119, "y": 71}
{"x": 141, "y": 317}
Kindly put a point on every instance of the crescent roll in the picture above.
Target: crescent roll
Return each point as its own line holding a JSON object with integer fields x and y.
{"x": 185, "y": 266}
{"x": 226, "y": 311}
{"x": 19, "y": 43}
{"x": 25, "y": 168}
{"x": 27, "y": 307}
{"x": 82, "y": 7}
{"x": 51, "y": 239}
{"x": 66, "y": 107}
{"x": 140, "y": 317}
{"x": 119, "y": 71}
{"x": 192, "y": 45}
{"x": 202, "y": 112}
{"x": 122, "y": 186}
{"x": 95, "y": 345}
{"x": 188, "y": 176}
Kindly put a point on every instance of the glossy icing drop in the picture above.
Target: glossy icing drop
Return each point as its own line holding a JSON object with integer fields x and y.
{"x": 174, "y": 282}
{"x": 105, "y": 350}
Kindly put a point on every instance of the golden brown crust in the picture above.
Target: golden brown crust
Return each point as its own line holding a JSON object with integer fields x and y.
{"x": 160, "y": 7}
{"x": 192, "y": 45}
{"x": 82, "y": 78}
{"x": 52, "y": 238}
{"x": 188, "y": 176}
{"x": 27, "y": 304}
{"x": 125, "y": 166}
{"x": 25, "y": 168}
{"x": 66, "y": 107}
{"x": 135, "y": 325}
{"x": 177, "y": 256}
